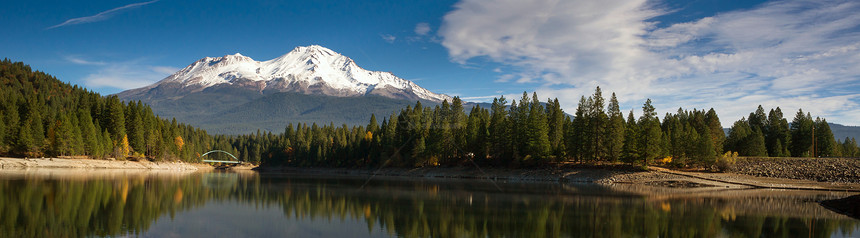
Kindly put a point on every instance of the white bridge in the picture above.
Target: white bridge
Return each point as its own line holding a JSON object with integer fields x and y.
{"x": 235, "y": 161}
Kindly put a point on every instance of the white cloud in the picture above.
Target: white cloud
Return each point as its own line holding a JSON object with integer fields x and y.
{"x": 388, "y": 38}
{"x": 480, "y": 98}
{"x": 101, "y": 16}
{"x": 783, "y": 53}
{"x": 422, "y": 28}
{"x": 122, "y": 75}
{"x": 78, "y": 60}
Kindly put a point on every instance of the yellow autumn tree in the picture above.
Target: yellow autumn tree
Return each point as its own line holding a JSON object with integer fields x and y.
{"x": 124, "y": 149}
{"x": 179, "y": 142}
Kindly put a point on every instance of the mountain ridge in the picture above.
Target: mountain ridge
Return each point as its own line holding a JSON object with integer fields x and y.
{"x": 306, "y": 69}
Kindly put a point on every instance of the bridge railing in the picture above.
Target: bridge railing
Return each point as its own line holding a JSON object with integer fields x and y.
{"x": 235, "y": 161}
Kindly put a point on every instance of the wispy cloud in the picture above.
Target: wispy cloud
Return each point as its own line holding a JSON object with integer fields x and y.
{"x": 422, "y": 28}
{"x": 480, "y": 98}
{"x": 122, "y": 75}
{"x": 793, "y": 54}
{"x": 80, "y": 61}
{"x": 101, "y": 16}
{"x": 388, "y": 38}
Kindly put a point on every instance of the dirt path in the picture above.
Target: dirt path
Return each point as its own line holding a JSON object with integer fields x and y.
{"x": 763, "y": 182}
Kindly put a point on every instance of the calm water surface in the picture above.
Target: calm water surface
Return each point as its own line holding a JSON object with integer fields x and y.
{"x": 68, "y": 203}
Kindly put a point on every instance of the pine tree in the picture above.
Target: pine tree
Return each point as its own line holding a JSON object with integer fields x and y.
{"x": 715, "y": 127}
{"x": 825, "y": 144}
{"x": 77, "y": 136}
{"x": 3, "y": 141}
{"x": 499, "y": 135}
{"x": 651, "y": 136}
{"x": 849, "y": 148}
{"x": 62, "y": 136}
{"x": 92, "y": 145}
{"x": 555, "y": 121}
{"x": 34, "y": 120}
{"x": 522, "y": 127}
{"x": 134, "y": 127}
{"x": 115, "y": 121}
{"x": 372, "y": 126}
{"x": 738, "y": 134}
{"x": 458, "y": 126}
{"x": 777, "y": 136}
{"x": 106, "y": 143}
{"x": 801, "y": 135}
{"x": 24, "y": 144}
{"x": 755, "y": 144}
{"x": 577, "y": 146}
{"x": 12, "y": 121}
{"x": 758, "y": 120}
{"x": 597, "y": 122}
{"x": 679, "y": 135}
{"x": 630, "y": 150}
{"x": 538, "y": 139}
{"x": 614, "y": 130}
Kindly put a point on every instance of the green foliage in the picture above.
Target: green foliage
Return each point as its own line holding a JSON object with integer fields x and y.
{"x": 43, "y": 116}
{"x": 631, "y": 149}
{"x": 849, "y": 148}
{"x": 615, "y": 129}
{"x": 538, "y": 139}
{"x": 825, "y": 145}
{"x": 556, "y": 122}
{"x": 746, "y": 140}
{"x": 801, "y": 135}
{"x": 777, "y": 135}
{"x": 597, "y": 120}
{"x": 651, "y": 136}
{"x": 726, "y": 161}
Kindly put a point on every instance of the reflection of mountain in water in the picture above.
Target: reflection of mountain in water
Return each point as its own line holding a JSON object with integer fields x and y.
{"x": 39, "y": 206}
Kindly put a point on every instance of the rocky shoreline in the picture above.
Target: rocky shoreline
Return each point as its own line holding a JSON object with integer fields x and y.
{"x": 840, "y": 170}
{"x": 778, "y": 173}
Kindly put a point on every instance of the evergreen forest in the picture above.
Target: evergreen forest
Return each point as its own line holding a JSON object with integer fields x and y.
{"x": 44, "y": 117}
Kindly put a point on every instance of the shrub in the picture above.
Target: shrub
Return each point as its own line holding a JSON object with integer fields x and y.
{"x": 726, "y": 161}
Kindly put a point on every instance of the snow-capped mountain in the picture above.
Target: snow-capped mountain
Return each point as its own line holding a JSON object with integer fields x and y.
{"x": 309, "y": 70}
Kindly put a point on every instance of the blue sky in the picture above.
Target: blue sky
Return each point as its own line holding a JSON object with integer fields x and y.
{"x": 731, "y": 55}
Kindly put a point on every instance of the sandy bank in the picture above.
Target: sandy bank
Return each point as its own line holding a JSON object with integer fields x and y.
{"x": 18, "y": 163}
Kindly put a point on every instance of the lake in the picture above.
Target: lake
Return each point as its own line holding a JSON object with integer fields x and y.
{"x": 87, "y": 203}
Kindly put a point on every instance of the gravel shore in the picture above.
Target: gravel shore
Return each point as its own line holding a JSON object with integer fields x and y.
{"x": 783, "y": 173}
{"x": 842, "y": 170}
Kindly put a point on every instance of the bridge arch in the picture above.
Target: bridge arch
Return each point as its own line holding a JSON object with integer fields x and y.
{"x": 220, "y": 161}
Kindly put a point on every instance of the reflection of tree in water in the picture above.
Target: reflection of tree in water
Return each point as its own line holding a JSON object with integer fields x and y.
{"x": 220, "y": 180}
{"x": 129, "y": 205}
{"x": 451, "y": 210}
{"x": 102, "y": 207}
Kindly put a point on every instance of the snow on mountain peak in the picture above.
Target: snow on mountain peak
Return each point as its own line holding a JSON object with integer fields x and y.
{"x": 305, "y": 66}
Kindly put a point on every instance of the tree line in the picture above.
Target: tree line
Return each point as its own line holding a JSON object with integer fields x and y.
{"x": 772, "y": 135}
{"x": 528, "y": 132}
{"x": 42, "y": 116}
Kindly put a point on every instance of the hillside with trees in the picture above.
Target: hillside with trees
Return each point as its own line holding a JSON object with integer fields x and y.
{"x": 42, "y": 116}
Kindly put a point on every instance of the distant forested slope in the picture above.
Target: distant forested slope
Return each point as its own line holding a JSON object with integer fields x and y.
{"x": 842, "y": 131}
{"x": 42, "y": 116}
{"x": 238, "y": 111}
